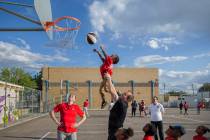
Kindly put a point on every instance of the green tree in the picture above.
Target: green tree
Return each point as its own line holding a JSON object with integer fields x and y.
{"x": 204, "y": 87}
{"x": 17, "y": 76}
{"x": 38, "y": 79}
{"x": 176, "y": 93}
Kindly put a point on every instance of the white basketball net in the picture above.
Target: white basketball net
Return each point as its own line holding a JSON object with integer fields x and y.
{"x": 65, "y": 39}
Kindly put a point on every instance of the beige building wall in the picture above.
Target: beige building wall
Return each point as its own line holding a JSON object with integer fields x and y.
{"x": 140, "y": 76}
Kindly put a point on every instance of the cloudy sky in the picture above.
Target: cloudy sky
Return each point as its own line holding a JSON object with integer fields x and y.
{"x": 173, "y": 36}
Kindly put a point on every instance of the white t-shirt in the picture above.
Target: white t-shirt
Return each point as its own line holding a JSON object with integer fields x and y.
{"x": 156, "y": 111}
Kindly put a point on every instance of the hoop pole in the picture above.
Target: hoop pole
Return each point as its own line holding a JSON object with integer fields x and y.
{"x": 20, "y": 29}
{"x": 20, "y": 16}
{"x": 18, "y": 4}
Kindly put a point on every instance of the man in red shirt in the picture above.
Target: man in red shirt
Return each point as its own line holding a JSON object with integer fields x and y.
{"x": 67, "y": 126}
{"x": 85, "y": 107}
{"x": 106, "y": 67}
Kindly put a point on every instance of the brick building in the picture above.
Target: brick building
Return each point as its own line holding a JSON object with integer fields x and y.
{"x": 59, "y": 81}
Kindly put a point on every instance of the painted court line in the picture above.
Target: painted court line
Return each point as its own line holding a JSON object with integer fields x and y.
{"x": 45, "y": 135}
{"x": 189, "y": 119}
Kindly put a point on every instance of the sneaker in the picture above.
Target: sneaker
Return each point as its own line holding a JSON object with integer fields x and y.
{"x": 103, "y": 104}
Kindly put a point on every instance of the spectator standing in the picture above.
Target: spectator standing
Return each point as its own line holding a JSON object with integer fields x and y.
{"x": 186, "y": 106}
{"x": 85, "y": 107}
{"x": 134, "y": 106}
{"x": 156, "y": 111}
{"x": 180, "y": 107}
{"x": 142, "y": 108}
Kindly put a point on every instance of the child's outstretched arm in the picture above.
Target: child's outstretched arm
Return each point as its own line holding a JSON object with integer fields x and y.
{"x": 103, "y": 51}
{"x": 99, "y": 54}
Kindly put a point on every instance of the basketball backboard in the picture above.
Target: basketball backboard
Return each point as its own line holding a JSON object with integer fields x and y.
{"x": 44, "y": 12}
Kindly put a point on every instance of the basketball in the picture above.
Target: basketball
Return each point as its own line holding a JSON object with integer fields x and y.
{"x": 91, "y": 38}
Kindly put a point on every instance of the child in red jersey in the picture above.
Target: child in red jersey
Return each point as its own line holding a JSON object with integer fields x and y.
{"x": 106, "y": 67}
{"x": 149, "y": 131}
{"x": 201, "y": 130}
{"x": 85, "y": 107}
{"x": 175, "y": 132}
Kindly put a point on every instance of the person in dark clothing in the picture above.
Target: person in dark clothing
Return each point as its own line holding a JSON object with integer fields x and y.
{"x": 180, "y": 107}
{"x": 118, "y": 112}
{"x": 134, "y": 106}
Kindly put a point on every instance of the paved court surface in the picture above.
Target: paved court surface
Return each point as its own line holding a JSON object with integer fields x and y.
{"x": 95, "y": 128}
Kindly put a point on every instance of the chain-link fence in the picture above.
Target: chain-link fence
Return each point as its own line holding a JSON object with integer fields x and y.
{"x": 17, "y": 103}
{"x": 173, "y": 95}
{"x": 56, "y": 92}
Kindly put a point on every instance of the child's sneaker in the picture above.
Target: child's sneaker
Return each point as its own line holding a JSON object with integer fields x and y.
{"x": 103, "y": 104}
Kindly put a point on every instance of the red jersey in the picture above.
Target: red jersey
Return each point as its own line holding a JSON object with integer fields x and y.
{"x": 148, "y": 138}
{"x": 107, "y": 66}
{"x": 68, "y": 114}
{"x": 85, "y": 104}
{"x": 199, "y": 137}
{"x": 186, "y": 106}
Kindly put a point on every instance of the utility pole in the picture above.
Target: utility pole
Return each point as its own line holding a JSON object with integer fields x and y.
{"x": 193, "y": 89}
{"x": 164, "y": 90}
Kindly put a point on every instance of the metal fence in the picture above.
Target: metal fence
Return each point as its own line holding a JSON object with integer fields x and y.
{"x": 55, "y": 92}
{"x": 18, "y": 103}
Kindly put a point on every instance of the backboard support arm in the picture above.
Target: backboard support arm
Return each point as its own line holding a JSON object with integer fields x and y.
{"x": 17, "y": 4}
{"x": 20, "y": 29}
{"x": 20, "y": 16}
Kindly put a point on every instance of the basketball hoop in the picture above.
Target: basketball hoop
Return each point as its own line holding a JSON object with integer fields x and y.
{"x": 65, "y": 31}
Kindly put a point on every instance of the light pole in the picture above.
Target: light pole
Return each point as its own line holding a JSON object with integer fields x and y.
{"x": 193, "y": 89}
{"x": 164, "y": 88}
{"x": 5, "y": 104}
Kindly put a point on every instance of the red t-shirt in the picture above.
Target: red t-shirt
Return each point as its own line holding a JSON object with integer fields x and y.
{"x": 148, "y": 138}
{"x": 68, "y": 114}
{"x": 186, "y": 106}
{"x": 199, "y": 137}
{"x": 85, "y": 104}
{"x": 106, "y": 66}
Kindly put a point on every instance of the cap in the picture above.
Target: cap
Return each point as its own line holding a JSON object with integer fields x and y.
{"x": 178, "y": 128}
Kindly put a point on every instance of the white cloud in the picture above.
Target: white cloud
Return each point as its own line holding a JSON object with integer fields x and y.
{"x": 13, "y": 55}
{"x": 121, "y": 46}
{"x": 208, "y": 66}
{"x": 153, "y": 44}
{"x": 150, "y": 17}
{"x": 184, "y": 80}
{"x": 116, "y": 36}
{"x": 202, "y": 55}
{"x": 125, "y": 46}
{"x": 24, "y": 44}
{"x": 156, "y": 59}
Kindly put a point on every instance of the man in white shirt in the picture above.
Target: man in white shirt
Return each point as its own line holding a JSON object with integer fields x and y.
{"x": 156, "y": 111}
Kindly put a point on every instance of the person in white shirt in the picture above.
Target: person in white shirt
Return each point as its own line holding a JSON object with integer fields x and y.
{"x": 156, "y": 111}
